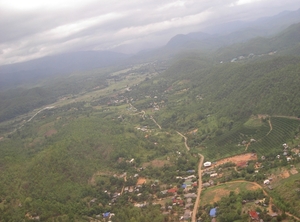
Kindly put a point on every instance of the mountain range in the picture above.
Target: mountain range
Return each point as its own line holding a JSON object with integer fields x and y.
{"x": 212, "y": 38}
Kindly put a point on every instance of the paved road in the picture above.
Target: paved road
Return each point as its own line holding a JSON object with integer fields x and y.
{"x": 48, "y": 107}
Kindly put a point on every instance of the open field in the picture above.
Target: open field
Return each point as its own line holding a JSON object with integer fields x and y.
{"x": 214, "y": 194}
{"x": 157, "y": 163}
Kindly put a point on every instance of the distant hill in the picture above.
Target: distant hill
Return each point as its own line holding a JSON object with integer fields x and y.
{"x": 266, "y": 25}
{"x": 286, "y": 42}
{"x": 235, "y": 32}
{"x": 61, "y": 64}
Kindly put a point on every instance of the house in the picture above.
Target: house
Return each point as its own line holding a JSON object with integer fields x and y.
{"x": 244, "y": 142}
{"x": 213, "y": 174}
{"x": 190, "y": 177}
{"x": 204, "y": 185}
{"x": 178, "y": 202}
{"x": 164, "y": 191}
{"x": 172, "y": 190}
{"x": 187, "y": 214}
{"x": 266, "y": 182}
{"x": 213, "y": 212}
{"x": 207, "y": 164}
{"x": 106, "y": 214}
{"x": 190, "y": 195}
{"x": 253, "y": 215}
{"x": 273, "y": 214}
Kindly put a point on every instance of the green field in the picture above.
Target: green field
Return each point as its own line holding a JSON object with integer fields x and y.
{"x": 215, "y": 193}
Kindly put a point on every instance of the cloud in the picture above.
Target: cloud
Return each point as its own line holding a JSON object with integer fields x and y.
{"x": 35, "y": 28}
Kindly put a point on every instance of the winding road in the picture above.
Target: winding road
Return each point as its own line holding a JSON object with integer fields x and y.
{"x": 48, "y": 107}
{"x": 185, "y": 141}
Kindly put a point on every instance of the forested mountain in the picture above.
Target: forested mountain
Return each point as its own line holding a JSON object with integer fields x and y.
{"x": 235, "y": 32}
{"x": 286, "y": 42}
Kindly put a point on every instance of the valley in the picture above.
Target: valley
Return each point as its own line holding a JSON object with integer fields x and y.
{"x": 183, "y": 138}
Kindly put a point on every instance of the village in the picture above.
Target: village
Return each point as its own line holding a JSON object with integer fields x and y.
{"x": 179, "y": 197}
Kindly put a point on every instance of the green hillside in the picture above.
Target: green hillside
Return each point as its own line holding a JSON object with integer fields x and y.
{"x": 285, "y": 42}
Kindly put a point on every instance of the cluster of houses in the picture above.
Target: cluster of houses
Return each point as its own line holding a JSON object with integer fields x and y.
{"x": 184, "y": 201}
{"x": 143, "y": 128}
{"x": 251, "y": 55}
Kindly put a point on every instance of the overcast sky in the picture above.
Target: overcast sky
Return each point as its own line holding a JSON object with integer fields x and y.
{"x": 35, "y": 28}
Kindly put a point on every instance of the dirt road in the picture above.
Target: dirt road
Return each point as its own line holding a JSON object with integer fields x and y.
{"x": 185, "y": 141}
{"x": 151, "y": 117}
{"x": 197, "y": 202}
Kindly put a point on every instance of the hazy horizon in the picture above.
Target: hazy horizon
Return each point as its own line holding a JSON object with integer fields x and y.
{"x": 35, "y": 29}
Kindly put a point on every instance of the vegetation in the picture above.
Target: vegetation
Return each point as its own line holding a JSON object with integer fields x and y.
{"x": 127, "y": 141}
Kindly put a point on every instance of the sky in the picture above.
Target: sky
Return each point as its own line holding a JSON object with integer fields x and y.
{"x": 35, "y": 28}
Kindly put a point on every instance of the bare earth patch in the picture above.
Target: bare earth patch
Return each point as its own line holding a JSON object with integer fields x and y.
{"x": 262, "y": 116}
{"x": 193, "y": 131}
{"x": 285, "y": 174}
{"x": 141, "y": 181}
{"x": 50, "y": 132}
{"x": 238, "y": 160}
{"x": 293, "y": 171}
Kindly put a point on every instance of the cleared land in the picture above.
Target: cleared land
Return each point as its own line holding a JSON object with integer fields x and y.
{"x": 214, "y": 194}
{"x": 239, "y": 159}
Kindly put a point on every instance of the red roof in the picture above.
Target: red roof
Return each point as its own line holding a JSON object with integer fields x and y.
{"x": 178, "y": 201}
{"x": 172, "y": 190}
{"x": 253, "y": 215}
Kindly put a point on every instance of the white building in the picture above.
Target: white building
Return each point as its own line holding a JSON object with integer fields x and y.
{"x": 207, "y": 164}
